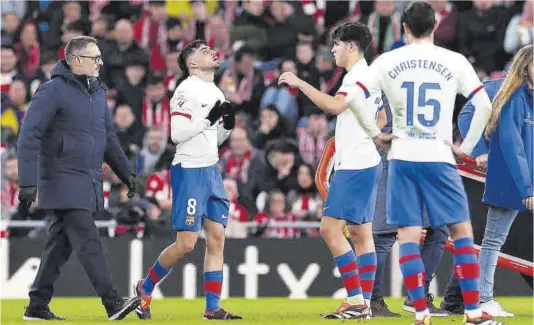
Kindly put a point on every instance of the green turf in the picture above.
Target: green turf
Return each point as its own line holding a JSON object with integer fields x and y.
{"x": 83, "y": 311}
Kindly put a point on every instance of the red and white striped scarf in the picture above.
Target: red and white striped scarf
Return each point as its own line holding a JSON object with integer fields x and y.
{"x": 29, "y": 58}
{"x": 318, "y": 10}
{"x": 237, "y": 167}
{"x": 310, "y": 147}
{"x": 158, "y": 115}
{"x": 6, "y": 79}
{"x": 264, "y": 219}
{"x": 326, "y": 86}
{"x": 158, "y": 185}
{"x": 153, "y": 34}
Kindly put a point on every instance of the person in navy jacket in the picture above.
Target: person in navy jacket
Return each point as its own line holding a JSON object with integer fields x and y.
{"x": 64, "y": 139}
{"x": 508, "y": 144}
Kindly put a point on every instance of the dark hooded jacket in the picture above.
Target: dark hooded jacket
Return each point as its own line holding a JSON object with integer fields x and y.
{"x": 65, "y": 137}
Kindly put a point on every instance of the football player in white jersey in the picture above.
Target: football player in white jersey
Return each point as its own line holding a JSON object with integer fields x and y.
{"x": 352, "y": 194}
{"x": 201, "y": 120}
{"x": 421, "y": 81}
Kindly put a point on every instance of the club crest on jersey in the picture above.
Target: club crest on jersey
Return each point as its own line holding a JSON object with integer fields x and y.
{"x": 190, "y": 220}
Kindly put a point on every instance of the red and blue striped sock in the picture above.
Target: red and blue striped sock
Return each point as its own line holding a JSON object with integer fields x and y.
{"x": 413, "y": 272}
{"x": 467, "y": 271}
{"x": 367, "y": 270}
{"x": 212, "y": 287}
{"x": 348, "y": 268}
{"x": 155, "y": 275}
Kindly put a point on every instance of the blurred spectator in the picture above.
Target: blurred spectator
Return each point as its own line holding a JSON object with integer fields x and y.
{"x": 481, "y": 35}
{"x": 218, "y": 38}
{"x": 10, "y": 25}
{"x": 307, "y": 72}
{"x": 28, "y": 48}
{"x": 286, "y": 29}
{"x": 121, "y": 52}
{"x": 520, "y": 30}
{"x": 9, "y": 69}
{"x": 70, "y": 31}
{"x": 100, "y": 29}
{"x": 330, "y": 76}
{"x": 276, "y": 211}
{"x": 129, "y": 131}
{"x": 10, "y": 186}
{"x": 447, "y": 18}
{"x": 237, "y": 213}
{"x": 328, "y": 13}
{"x": 132, "y": 90}
{"x": 14, "y": 107}
{"x": 48, "y": 59}
{"x": 242, "y": 84}
{"x": 147, "y": 212}
{"x": 156, "y": 106}
{"x": 250, "y": 26}
{"x": 385, "y": 25}
{"x": 155, "y": 155}
{"x": 151, "y": 33}
{"x": 175, "y": 36}
{"x": 278, "y": 170}
{"x": 174, "y": 75}
{"x": 235, "y": 162}
{"x": 16, "y": 6}
{"x": 305, "y": 201}
{"x": 197, "y": 26}
{"x": 71, "y": 12}
{"x": 271, "y": 127}
{"x": 283, "y": 97}
{"x": 312, "y": 138}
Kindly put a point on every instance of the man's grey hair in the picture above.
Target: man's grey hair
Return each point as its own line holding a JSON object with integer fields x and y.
{"x": 76, "y": 45}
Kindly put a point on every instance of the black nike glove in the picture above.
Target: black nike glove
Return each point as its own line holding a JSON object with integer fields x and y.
{"x": 229, "y": 116}
{"x": 27, "y": 196}
{"x": 216, "y": 112}
{"x": 131, "y": 186}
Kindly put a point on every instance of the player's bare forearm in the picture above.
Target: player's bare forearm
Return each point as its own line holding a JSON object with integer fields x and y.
{"x": 329, "y": 104}
{"x": 324, "y": 101}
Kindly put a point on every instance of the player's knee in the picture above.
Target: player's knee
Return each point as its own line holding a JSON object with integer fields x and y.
{"x": 185, "y": 245}
{"x": 328, "y": 232}
{"x": 215, "y": 241}
{"x": 359, "y": 236}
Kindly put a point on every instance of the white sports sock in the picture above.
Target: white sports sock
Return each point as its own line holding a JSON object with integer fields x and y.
{"x": 368, "y": 302}
{"x": 475, "y": 313}
{"x": 420, "y": 315}
{"x": 356, "y": 300}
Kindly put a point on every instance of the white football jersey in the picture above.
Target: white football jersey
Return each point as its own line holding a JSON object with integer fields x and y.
{"x": 421, "y": 81}
{"x": 354, "y": 148}
{"x": 197, "y": 143}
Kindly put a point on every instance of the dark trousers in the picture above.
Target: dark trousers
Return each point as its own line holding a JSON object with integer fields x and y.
{"x": 431, "y": 251}
{"x": 72, "y": 230}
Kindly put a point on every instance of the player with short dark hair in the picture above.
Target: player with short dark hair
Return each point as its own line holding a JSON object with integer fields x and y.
{"x": 421, "y": 81}
{"x": 201, "y": 119}
{"x": 353, "y": 189}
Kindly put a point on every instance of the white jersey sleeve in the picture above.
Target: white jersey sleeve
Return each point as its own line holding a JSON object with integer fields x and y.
{"x": 184, "y": 125}
{"x": 363, "y": 104}
{"x": 471, "y": 87}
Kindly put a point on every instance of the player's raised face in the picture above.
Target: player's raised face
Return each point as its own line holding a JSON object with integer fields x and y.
{"x": 205, "y": 58}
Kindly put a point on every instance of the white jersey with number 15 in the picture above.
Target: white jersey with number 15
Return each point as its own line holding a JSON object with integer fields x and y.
{"x": 421, "y": 81}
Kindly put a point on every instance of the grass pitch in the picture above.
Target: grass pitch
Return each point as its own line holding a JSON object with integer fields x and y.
{"x": 81, "y": 311}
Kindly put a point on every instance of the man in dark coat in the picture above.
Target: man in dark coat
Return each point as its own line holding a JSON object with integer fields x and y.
{"x": 66, "y": 136}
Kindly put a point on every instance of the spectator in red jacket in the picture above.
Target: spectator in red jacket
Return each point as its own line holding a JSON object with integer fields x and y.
{"x": 276, "y": 211}
{"x": 447, "y": 19}
{"x": 151, "y": 32}
{"x": 28, "y": 48}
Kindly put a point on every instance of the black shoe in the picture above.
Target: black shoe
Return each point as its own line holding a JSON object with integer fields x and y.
{"x": 40, "y": 314}
{"x": 143, "y": 311}
{"x": 380, "y": 309}
{"x": 122, "y": 307}
{"x": 220, "y": 314}
{"x": 434, "y": 311}
{"x": 453, "y": 307}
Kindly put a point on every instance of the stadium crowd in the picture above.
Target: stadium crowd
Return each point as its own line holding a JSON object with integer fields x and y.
{"x": 268, "y": 162}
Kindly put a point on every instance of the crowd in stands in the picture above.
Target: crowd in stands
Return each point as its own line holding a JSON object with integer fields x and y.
{"x": 268, "y": 163}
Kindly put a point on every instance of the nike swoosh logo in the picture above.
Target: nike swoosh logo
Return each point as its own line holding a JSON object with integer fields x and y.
{"x": 204, "y": 105}
{"x": 224, "y": 217}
